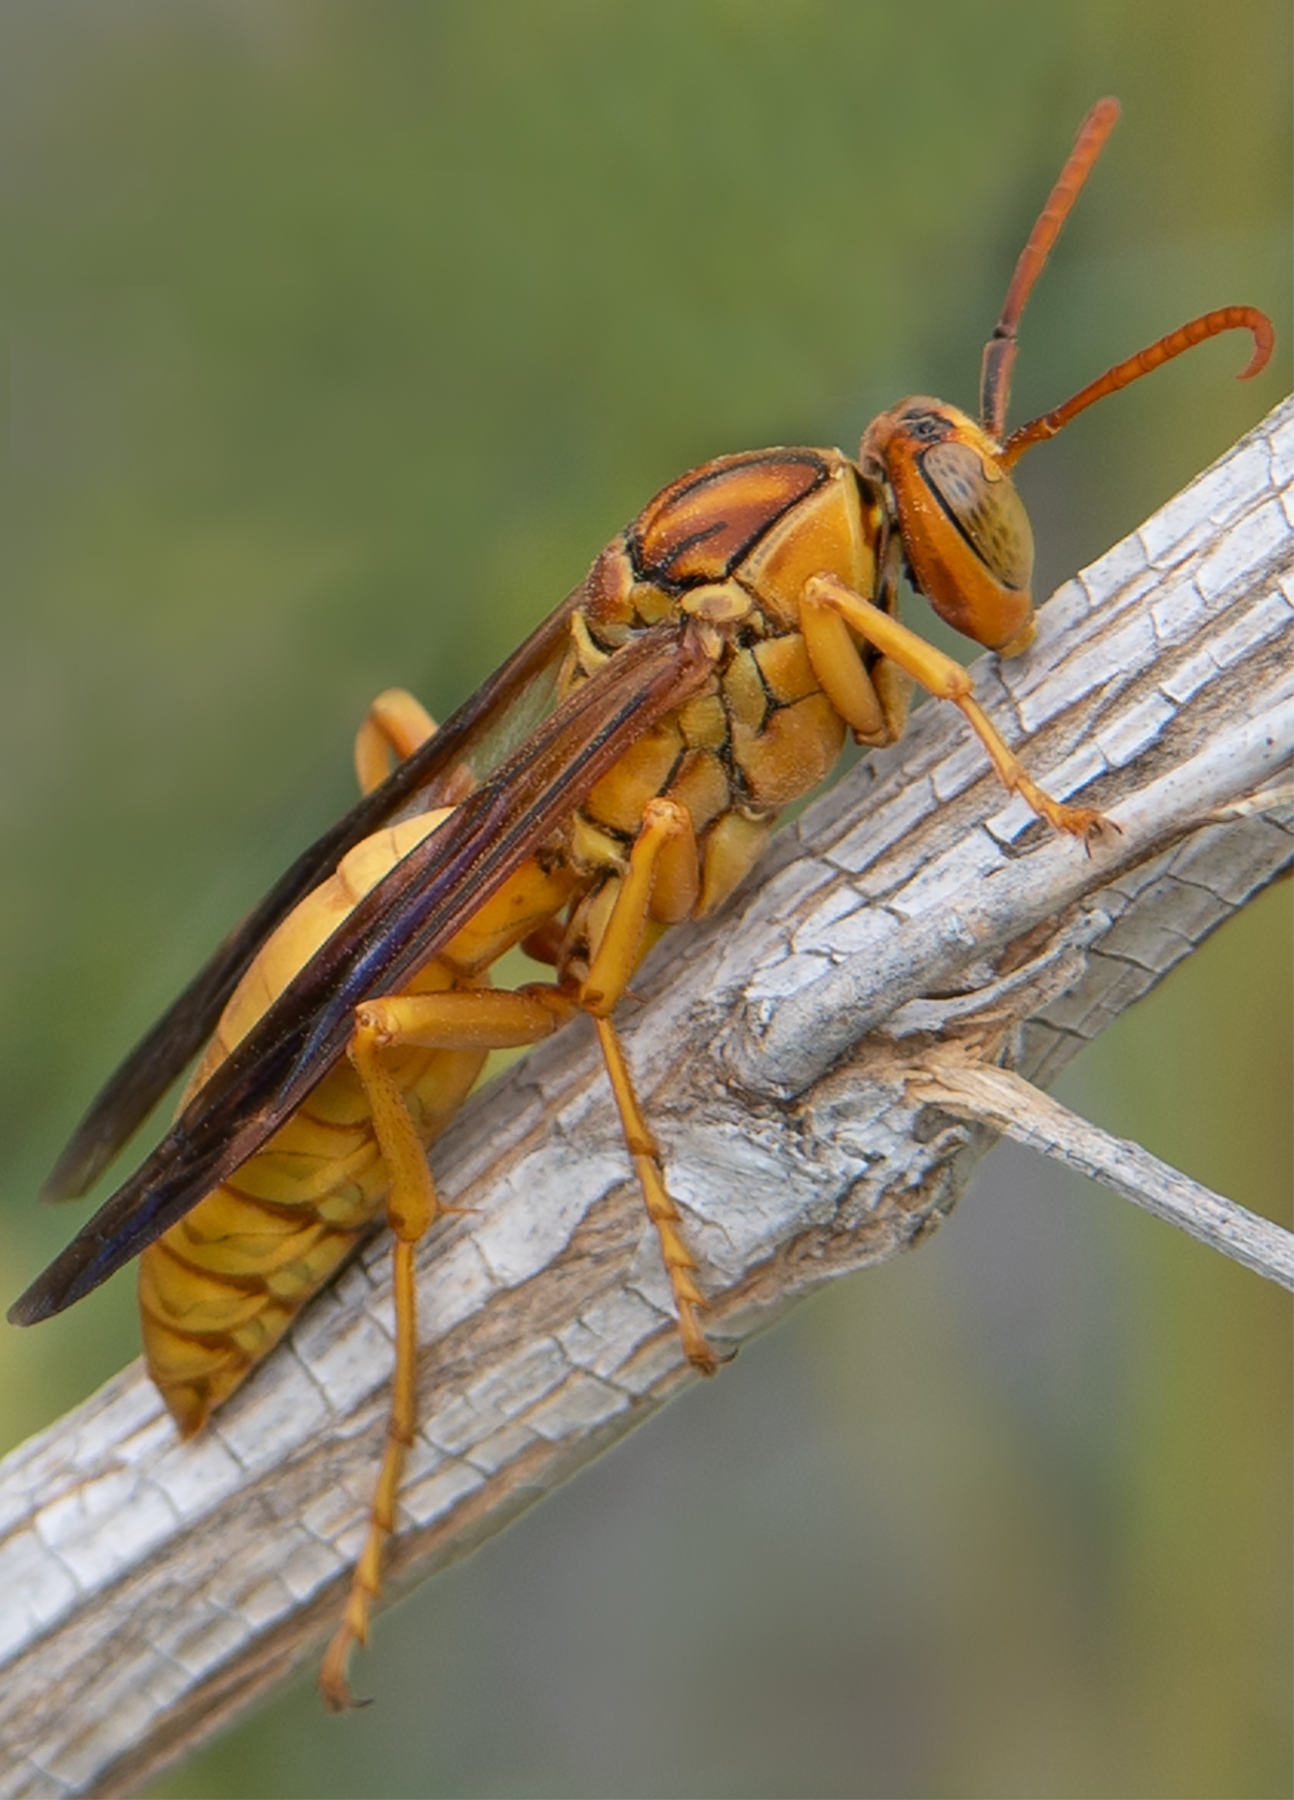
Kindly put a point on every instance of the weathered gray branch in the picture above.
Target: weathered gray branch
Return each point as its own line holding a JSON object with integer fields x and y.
{"x": 151, "y": 1590}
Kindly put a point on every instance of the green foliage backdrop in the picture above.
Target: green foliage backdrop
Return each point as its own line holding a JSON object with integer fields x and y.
{"x": 341, "y": 337}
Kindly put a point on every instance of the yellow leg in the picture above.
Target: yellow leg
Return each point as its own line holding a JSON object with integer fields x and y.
{"x": 666, "y": 830}
{"x": 411, "y": 1208}
{"x": 395, "y": 726}
{"x": 491, "y": 1020}
{"x": 665, "y": 827}
{"x": 939, "y": 675}
{"x": 454, "y": 1020}
{"x": 845, "y": 678}
{"x": 680, "y": 1265}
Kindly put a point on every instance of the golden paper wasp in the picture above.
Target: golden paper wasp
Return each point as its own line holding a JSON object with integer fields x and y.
{"x": 619, "y": 774}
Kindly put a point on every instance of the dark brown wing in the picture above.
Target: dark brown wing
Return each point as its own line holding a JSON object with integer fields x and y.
{"x": 405, "y": 919}
{"x": 467, "y": 750}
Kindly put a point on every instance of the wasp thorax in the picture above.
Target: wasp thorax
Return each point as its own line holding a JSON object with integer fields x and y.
{"x": 966, "y": 535}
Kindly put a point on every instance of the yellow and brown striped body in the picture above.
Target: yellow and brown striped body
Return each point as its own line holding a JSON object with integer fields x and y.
{"x": 732, "y": 544}
{"x": 218, "y": 1290}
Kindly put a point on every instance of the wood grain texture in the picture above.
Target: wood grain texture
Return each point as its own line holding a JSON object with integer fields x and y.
{"x": 153, "y": 1589}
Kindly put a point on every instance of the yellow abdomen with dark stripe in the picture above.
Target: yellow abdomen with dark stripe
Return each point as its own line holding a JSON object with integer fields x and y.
{"x": 218, "y": 1290}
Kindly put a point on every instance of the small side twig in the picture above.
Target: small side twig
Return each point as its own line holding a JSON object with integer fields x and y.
{"x": 1017, "y": 1109}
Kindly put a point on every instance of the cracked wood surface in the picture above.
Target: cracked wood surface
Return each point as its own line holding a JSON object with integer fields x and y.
{"x": 152, "y": 1589}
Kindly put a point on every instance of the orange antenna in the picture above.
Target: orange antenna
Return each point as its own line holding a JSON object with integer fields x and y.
{"x": 1000, "y": 351}
{"x": 1211, "y": 324}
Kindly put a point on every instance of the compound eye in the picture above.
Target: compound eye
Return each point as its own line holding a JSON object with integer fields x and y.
{"x": 983, "y": 504}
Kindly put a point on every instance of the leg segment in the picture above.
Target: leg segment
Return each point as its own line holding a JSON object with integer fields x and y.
{"x": 680, "y": 1265}
{"x": 858, "y": 695}
{"x": 940, "y": 676}
{"x": 665, "y": 842}
{"x": 396, "y": 724}
{"x": 411, "y": 1209}
{"x": 665, "y": 838}
{"x": 453, "y": 1020}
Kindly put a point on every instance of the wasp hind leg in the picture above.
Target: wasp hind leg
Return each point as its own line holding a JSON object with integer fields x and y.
{"x": 482, "y": 1019}
{"x": 411, "y": 1210}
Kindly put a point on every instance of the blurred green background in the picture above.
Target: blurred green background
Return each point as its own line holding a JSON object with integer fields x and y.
{"x": 341, "y": 337}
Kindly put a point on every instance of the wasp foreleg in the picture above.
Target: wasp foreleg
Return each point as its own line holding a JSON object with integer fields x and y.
{"x": 939, "y": 675}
